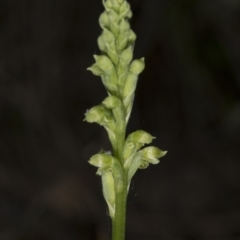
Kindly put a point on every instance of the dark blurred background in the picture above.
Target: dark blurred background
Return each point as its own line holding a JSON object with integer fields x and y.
{"x": 188, "y": 97}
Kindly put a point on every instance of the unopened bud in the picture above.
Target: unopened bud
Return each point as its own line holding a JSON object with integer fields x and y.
{"x": 107, "y": 4}
{"x": 116, "y": 5}
{"x": 95, "y": 70}
{"x": 108, "y": 37}
{"x": 95, "y": 114}
{"x": 125, "y": 10}
{"x": 101, "y": 160}
{"x": 103, "y": 62}
{"x": 124, "y": 26}
{"x": 137, "y": 66}
{"x": 101, "y": 43}
{"x": 126, "y": 56}
{"x": 111, "y": 102}
{"x": 104, "y": 20}
{"x": 132, "y": 37}
{"x": 141, "y": 136}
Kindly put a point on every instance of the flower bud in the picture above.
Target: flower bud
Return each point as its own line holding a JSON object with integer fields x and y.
{"x": 116, "y": 5}
{"x": 107, "y": 4}
{"x": 95, "y": 114}
{"x": 125, "y": 10}
{"x": 122, "y": 71}
{"x": 108, "y": 37}
{"x": 114, "y": 19}
{"x": 103, "y": 62}
{"x": 95, "y": 70}
{"x": 104, "y": 20}
{"x": 112, "y": 102}
{"x": 132, "y": 37}
{"x": 113, "y": 16}
{"x": 137, "y": 66}
{"x": 124, "y": 26}
{"x": 151, "y": 154}
{"x": 112, "y": 53}
{"x": 126, "y": 56}
{"x": 141, "y": 137}
{"x": 101, "y": 43}
{"x": 110, "y": 76}
{"x": 101, "y": 160}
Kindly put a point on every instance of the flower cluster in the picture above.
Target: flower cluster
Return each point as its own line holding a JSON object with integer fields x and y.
{"x": 119, "y": 74}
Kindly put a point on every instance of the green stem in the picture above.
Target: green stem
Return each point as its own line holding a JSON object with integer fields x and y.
{"x": 119, "y": 221}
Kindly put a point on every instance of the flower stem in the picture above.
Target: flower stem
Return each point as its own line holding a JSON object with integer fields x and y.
{"x": 119, "y": 221}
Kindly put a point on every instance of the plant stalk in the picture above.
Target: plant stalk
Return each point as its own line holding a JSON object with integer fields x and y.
{"x": 119, "y": 221}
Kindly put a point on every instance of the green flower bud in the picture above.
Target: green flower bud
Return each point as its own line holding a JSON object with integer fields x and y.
{"x": 137, "y": 66}
{"x": 104, "y": 20}
{"x": 107, "y": 43}
{"x": 103, "y": 62}
{"x": 114, "y": 26}
{"x": 110, "y": 76}
{"x": 112, "y": 102}
{"x": 126, "y": 56}
{"x": 95, "y": 70}
{"x": 108, "y": 37}
{"x": 132, "y": 37}
{"x": 113, "y": 16}
{"x": 141, "y": 137}
{"x": 112, "y": 53}
{"x": 122, "y": 39}
{"x": 151, "y": 154}
{"x": 101, "y": 160}
{"x": 124, "y": 26}
{"x": 101, "y": 43}
{"x": 108, "y": 5}
{"x": 124, "y": 60}
{"x": 116, "y": 5}
{"x": 95, "y": 114}
{"x": 125, "y": 10}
